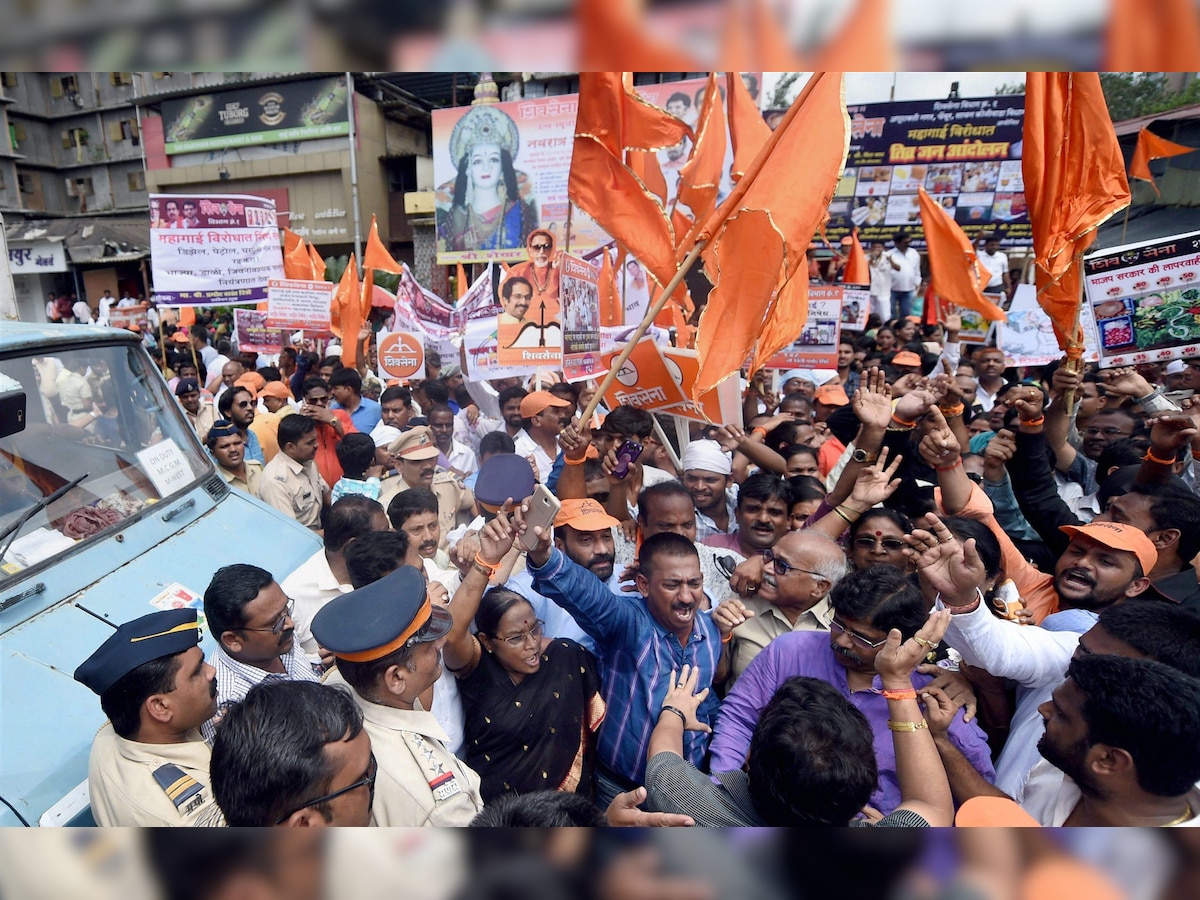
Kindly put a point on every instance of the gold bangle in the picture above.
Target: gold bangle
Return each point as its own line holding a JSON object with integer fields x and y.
{"x": 841, "y": 515}
{"x": 907, "y": 726}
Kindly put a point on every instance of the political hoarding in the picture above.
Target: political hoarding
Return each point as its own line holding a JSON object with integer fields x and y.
{"x": 1027, "y": 338}
{"x": 580, "y": 306}
{"x": 249, "y": 116}
{"x": 296, "y": 303}
{"x": 965, "y": 152}
{"x": 213, "y": 249}
{"x": 253, "y": 334}
{"x": 816, "y": 347}
{"x": 1145, "y": 300}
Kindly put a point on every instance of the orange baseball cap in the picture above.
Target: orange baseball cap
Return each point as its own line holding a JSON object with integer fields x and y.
{"x": 180, "y": 337}
{"x": 585, "y": 515}
{"x": 252, "y": 380}
{"x": 906, "y": 358}
{"x": 1118, "y": 537}
{"x": 993, "y": 812}
{"x": 534, "y": 403}
{"x": 831, "y": 395}
{"x": 275, "y": 389}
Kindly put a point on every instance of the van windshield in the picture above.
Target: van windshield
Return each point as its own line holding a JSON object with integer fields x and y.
{"x": 101, "y": 412}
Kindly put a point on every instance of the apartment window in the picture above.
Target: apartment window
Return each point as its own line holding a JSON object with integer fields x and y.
{"x": 74, "y": 137}
{"x": 123, "y": 130}
{"x": 137, "y": 181}
{"x": 27, "y": 183}
{"x": 120, "y": 78}
{"x": 79, "y": 187}
{"x": 8, "y": 79}
{"x": 67, "y": 85}
{"x": 17, "y": 132}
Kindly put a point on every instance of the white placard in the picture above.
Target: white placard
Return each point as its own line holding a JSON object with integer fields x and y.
{"x": 293, "y": 303}
{"x": 166, "y": 467}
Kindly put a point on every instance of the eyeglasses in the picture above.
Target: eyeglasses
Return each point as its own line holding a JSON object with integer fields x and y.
{"x": 279, "y": 623}
{"x": 782, "y": 568}
{"x": 367, "y": 780}
{"x": 243, "y": 404}
{"x": 840, "y": 628}
{"x": 317, "y": 401}
{"x": 1092, "y": 431}
{"x": 537, "y": 247}
{"x": 891, "y": 545}
{"x": 517, "y": 641}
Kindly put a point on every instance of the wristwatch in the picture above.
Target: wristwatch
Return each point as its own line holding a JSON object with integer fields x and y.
{"x": 864, "y": 456}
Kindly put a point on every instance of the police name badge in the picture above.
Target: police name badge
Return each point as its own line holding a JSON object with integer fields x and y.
{"x": 445, "y": 786}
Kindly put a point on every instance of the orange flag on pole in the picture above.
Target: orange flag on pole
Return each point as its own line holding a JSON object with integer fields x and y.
{"x": 1159, "y": 36}
{"x": 1074, "y": 178}
{"x": 612, "y": 118}
{"x": 858, "y": 270}
{"x": 955, "y": 272}
{"x": 612, "y": 34}
{"x": 748, "y": 131}
{"x": 346, "y": 310}
{"x": 863, "y": 42}
{"x": 297, "y": 263}
{"x": 460, "y": 281}
{"x": 610, "y": 305}
{"x": 318, "y": 264}
{"x": 291, "y": 240}
{"x": 376, "y": 255}
{"x": 700, "y": 176}
{"x": 1151, "y": 146}
{"x": 756, "y": 258}
{"x": 644, "y": 164}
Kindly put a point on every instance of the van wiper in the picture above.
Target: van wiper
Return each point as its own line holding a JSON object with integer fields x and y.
{"x": 12, "y": 530}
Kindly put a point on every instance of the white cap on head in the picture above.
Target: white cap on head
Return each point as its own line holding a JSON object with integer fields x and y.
{"x": 1176, "y": 367}
{"x": 706, "y": 456}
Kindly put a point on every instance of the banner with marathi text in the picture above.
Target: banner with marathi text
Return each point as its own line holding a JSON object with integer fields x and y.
{"x": 816, "y": 347}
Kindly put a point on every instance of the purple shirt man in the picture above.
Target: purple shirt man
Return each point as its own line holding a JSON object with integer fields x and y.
{"x": 808, "y": 653}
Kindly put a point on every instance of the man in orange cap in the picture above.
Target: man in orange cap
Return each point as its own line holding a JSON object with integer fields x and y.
{"x": 276, "y": 397}
{"x": 543, "y": 417}
{"x": 907, "y": 363}
{"x": 827, "y": 398}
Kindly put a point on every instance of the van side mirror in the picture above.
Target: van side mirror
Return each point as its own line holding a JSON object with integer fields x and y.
{"x": 12, "y": 413}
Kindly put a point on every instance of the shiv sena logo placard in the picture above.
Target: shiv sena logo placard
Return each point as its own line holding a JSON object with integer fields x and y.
{"x": 401, "y": 354}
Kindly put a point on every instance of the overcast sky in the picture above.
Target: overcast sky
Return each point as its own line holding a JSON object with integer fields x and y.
{"x": 876, "y": 87}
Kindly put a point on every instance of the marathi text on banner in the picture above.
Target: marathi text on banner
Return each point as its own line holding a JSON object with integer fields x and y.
{"x": 215, "y": 249}
{"x": 580, "y": 304}
{"x": 644, "y": 380}
{"x": 856, "y": 307}
{"x": 965, "y": 152}
{"x": 401, "y": 354}
{"x": 816, "y": 348}
{"x": 253, "y": 334}
{"x": 294, "y": 303}
{"x": 1027, "y": 338}
{"x": 1145, "y": 299}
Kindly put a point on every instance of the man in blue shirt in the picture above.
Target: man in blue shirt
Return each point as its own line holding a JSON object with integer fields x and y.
{"x": 237, "y": 405}
{"x": 346, "y": 386}
{"x": 639, "y": 642}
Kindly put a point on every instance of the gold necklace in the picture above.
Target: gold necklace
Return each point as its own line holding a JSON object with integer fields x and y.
{"x": 1187, "y": 814}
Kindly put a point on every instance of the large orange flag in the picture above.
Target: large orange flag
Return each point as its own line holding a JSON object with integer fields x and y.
{"x": 1156, "y": 36}
{"x": 863, "y": 42}
{"x": 858, "y": 270}
{"x": 611, "y": 119}
{"x": 290, "y": 240}
{"x": 612, "y": 34}
{"x": 761, "y": 232}
{"x": 297, "y": 263}
{"x": 955, "y": 272}
{"x": 346, "y": 311}
{"x": 700, "y": 176}
{"x": 318, "y": 264}
{"x": 644, "y": 164}
{"x": 1151, "y": 146}
{"x": 748, "y": 131}
{"x": 1074, "y": 178}
{"x": 377, "y": 256}
{"x": 610, "y": 305}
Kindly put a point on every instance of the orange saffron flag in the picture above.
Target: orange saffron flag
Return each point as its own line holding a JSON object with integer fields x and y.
{"x": 187, "y": 316}
{"x": 290, "y": 240}
{"x": 297, "y": 263}
{"x": 748, "y": 130}
{"x": 377, "y": 256}
{"x": 1155, "y": 36}
{"x": 1151, "y": 146}
{"x": 612, "y": 34}
{"x": 1074, "y": 178}
{"x": 318, "y": 264}
{"x": 346, "y": 310}
{"x": 700, "y": 176}
{"x": 460, "y": 281}
{"x": 863, "y": 42}
{"x": 858, "y": 270}
{"x": 644, "y": 164}
{"x": 760, "y": 233}
{"x": 612, "y": 118}
{"x": 610, "y": 305}
{"x": 955, "y": 272}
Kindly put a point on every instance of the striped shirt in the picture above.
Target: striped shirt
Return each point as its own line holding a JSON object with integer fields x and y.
{"x": 234, "y": 679}
{"x": 636, "y": 656}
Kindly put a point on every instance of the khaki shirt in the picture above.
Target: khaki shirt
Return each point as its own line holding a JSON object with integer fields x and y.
{"x": 204, "y": 419}
{"x": 455, "y": 500}
{"x": 74, "y": 392}
{"x": 420, "y": 782}
{"x": 131, "y": 783}
{"x": 249, "y": 484}
{"x": 768, "y": 623}
{"x": 296, "y": 489}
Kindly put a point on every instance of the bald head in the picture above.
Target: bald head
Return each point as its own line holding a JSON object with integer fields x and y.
{"x": 811, "y": 565}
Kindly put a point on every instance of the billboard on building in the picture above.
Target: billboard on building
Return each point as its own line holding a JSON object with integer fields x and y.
{"x": 501, "y": 171}
{"x": 267, "y": 114}
{"x": 213, "y": 249}
{"x": 965, "y": 152}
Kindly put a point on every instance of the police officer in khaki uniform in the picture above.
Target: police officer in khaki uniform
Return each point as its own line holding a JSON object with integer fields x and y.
{"x": 149, "y": 764}
{"x": 388, "y": 641}
{"x": 290, "y": 482}
{"x": 416, "y": 457}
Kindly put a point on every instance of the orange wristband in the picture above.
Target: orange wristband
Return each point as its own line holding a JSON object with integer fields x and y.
{"x": 1034, "y": 423}
{"x": 1150, "y": 457}
{"x": 574, "y": 462}
{"x": 910, "y": 694}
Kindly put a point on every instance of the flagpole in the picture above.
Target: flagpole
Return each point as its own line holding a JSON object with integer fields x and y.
{"x": 1125, "y": 223}
{"x": 1074, "y": 364}
{"x": 640, "y": 331}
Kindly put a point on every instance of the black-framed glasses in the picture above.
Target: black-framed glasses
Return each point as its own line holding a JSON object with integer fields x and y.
{"x": 536, "y": 247}
{"x": 866, "y": 542}
{"x": 317, "y": 401}
{"x": 517, "y": 641}
{"x": 367, "y": 780}
{"x": 782, "y": 568}
{"x": 278, "y": 625}
{"x": 1093, "y": 431}
{"x": 838, "y": 627}
{"x": 243, "y": 404}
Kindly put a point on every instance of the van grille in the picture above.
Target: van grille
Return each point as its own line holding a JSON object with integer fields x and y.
{"x": 216, "y": 487}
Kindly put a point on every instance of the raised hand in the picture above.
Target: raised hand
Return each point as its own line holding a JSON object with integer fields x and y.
{"x": 1064, "y": 380}
{"x": 497, "y": 536}
{"x": 940, "y": 709}
{"x": 914, "y": 404}
{"x": 939, "y": 447}
{"x": 574, "y": 440}
{"x": 730, "y": 614}
{"x": 1126, "y": 381}
{"x": 1172, "y": 430}
{"x": 729, "y": 436}
{"x": 1028, "y": 401}
{"x": 1000, "y": 450}
{"x": 541, "y": 550}
{"x": 897, "y": 659}
{"x": 871, "y": 404}
{"x": 945, "y": 565}
{"x": 683, "y": 696}
{"x": 747, "y": 576}
{"x": 876, "y": 482}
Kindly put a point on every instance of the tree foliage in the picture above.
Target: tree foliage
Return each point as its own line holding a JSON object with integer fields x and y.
{"x": 783, "y": 95}
{"x": 1133, "y": 94}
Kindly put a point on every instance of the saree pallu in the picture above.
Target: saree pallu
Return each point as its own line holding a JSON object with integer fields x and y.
{"x": 538, "y": 735}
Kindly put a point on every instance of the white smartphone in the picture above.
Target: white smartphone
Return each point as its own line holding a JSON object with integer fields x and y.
{"x": 543, "y": 507}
